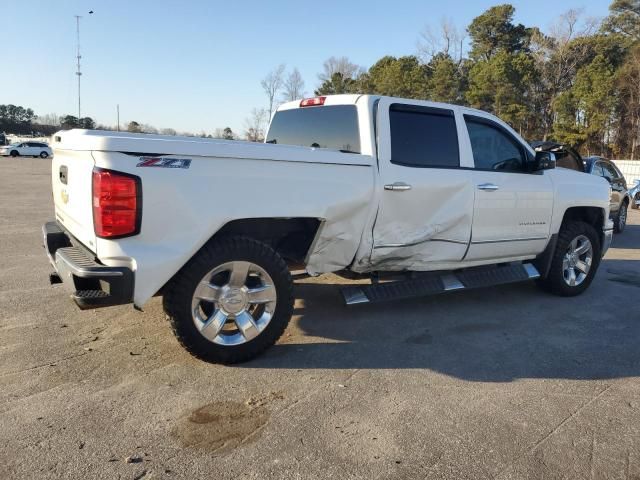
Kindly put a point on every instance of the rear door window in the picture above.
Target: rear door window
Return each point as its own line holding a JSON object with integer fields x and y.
{"x": 609, "y": 172}
{"x": 613, "y": 171}
{"x": 334, "y": 127}
{"x": 423, "y": 136}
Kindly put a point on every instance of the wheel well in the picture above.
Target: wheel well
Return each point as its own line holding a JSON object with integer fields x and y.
{"x": 290, "y": 237}
{"x": 594, "y": 216}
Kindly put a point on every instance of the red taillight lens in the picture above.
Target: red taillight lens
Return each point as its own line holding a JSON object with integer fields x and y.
{"x": 116, "y": 204}
{"x": 313, "y": 102}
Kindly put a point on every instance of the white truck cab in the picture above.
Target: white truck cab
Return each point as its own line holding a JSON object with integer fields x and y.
{"x": 358, "y": 184}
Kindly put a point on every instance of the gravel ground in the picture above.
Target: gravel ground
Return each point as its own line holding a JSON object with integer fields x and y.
{"x": 506, "y": 382}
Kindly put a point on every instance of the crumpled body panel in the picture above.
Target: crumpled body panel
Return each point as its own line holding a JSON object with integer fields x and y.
{"x": 430, "y": 223}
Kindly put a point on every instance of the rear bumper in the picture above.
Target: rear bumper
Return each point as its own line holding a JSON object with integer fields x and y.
{"x": 90, "y": 283}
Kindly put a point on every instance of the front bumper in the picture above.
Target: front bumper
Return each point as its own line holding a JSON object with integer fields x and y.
{"x": 607, "y": 236}
{"x": 90, "y": 283}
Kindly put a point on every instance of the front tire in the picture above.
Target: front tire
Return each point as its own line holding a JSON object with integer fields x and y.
{"x": 620, "y": 220}
{"x": 231, "y": 301}
{"x": 14, "y": 153}
{"x": 575, "y": 260}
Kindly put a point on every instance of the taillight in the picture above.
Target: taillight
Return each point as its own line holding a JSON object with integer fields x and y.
{"x": 312, "y": 102}
{"x": 117, "y": 204}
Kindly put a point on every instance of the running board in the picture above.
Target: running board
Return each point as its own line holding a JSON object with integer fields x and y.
{"x": 434, "y": 284}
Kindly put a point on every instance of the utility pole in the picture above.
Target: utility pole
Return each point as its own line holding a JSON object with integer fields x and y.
{"x": 118, "y": 110}
{"x": 78, "y": 72}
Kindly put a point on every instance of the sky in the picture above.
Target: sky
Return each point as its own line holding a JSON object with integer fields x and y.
{"x": 197, "y": 65}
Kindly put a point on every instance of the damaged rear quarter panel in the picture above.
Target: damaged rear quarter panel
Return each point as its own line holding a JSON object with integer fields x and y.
{"x": 184, "y": 208}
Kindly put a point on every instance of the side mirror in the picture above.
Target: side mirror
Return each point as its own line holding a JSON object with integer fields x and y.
{"x": 543, "y": 161}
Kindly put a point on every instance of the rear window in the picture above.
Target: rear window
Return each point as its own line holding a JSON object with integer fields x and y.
{"x": 334, "y": 127}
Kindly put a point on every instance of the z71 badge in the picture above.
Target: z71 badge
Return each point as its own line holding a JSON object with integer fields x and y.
{"x": 164, "y": 162}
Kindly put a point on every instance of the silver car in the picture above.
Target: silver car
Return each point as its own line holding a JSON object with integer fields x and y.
{"x": 27, "y": 149}
{"x": 634, "y": 195}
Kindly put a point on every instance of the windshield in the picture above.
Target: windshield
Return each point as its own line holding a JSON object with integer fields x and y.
{"x": 334, "y": 127}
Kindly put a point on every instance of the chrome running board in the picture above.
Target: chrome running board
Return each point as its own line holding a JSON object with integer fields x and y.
{"x": 433, "y": 284}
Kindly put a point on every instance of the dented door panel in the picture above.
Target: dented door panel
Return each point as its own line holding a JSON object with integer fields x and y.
{"x": 428, "y": 219}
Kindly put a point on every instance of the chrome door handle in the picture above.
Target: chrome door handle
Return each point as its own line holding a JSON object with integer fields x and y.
{"x": 489, "y": 187}
{"x": 397, "y": 186}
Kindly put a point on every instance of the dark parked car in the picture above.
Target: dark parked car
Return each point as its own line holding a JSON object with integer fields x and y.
{"x": 567, "y": 157}
{"x": 619, "y": 193}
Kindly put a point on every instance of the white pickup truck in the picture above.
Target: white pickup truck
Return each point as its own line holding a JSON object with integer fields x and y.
{"x": 445, "y": 196}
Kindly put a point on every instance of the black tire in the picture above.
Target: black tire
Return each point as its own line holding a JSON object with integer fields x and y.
{"x": 620, "y": 220}
{"x": 44, "y": 154}
{"x": 554, "y": 282}
{"x": 14, "y": 153}
{"x": 179, "y": 293}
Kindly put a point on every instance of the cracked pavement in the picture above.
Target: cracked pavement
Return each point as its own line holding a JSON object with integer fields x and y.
{"x": 507, "y": 382}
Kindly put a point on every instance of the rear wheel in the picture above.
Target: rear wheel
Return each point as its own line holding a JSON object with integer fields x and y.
{"x": 620, "y": 220}
{"x": 44, "y": 154}
{"x": 233, "y": 300}
{"x": 575, "y": 260}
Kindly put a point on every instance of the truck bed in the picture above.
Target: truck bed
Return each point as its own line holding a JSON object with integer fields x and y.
{"x": 192, "y": 187}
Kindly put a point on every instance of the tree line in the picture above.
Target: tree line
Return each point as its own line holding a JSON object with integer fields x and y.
{"x": 23, "y": 121}
{"x": 578, "y": 84}
{"x": 18, "y": 120}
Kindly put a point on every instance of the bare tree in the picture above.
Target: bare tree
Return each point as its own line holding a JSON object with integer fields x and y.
{"x": 168, "y": 131}
{"x": 573, "y": 24}
{"x": 272, "y": 84}
{"x": 558, "y": 57}
{"x": 49, "y": 119}
{"x": 341, "y": 65}
{"x": 447, "y": 39}
{"x": 256, "y": 124}
{"x": 293, "y": 86}
{"x": 146, "y": 128}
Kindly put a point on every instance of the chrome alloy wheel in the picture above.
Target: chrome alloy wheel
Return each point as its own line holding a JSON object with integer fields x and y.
{"x": 577, "y": 261}
{"x": 233, "y": 303}
{"x": 622, "y": 220}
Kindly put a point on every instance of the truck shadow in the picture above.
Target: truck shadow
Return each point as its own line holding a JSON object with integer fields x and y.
{"x": 491, "y": 335}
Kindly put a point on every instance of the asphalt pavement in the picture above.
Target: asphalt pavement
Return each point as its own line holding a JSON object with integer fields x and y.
{"x": 505, "y": 382}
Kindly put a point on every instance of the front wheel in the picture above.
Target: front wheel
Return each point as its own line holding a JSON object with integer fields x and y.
{"x": 233, "y": 300}
{"x": 14, "y": 153}
{"x": 620, "y": 220}
{"x": 575, "y": 260}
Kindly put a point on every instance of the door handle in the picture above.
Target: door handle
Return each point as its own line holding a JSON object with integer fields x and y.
{"x": 488, "y": 187}
{"x": 397, "y": 186}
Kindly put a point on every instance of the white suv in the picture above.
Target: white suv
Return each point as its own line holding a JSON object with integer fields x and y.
{"x": 27, "y": 149}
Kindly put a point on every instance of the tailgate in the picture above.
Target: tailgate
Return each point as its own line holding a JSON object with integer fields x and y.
{"x": 71, "y": 179}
